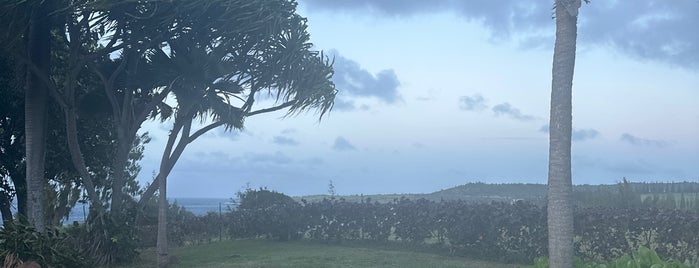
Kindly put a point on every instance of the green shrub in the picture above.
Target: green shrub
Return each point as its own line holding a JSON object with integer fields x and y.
{"x": 266, "y": 213}
{"x": 641, "y": 258}
{"x": 505, "y": 232}
{"x": 53, "y": 248}
{"x": 106, "y": 239}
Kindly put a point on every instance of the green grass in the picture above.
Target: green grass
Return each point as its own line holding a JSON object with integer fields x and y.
{"x": 258, "y": 253}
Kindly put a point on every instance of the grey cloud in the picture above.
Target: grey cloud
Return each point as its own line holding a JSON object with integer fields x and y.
{"x": 636, "y": 141}
{"x": 277, "y": 158}
{"x": 628, "y": 167}
{"x": 353, "y": 81}
{"x": 418, "y": 145}
{"x": 512, "y": 112}
{"x": 233, "y": 134}
{"x": 584, "y": 134}
{"x": 578, "y": 134}
{"x": 341, "y": 104}
{"x": 472, "y": 103}
{"x": 341, "y": 144}
{"x": 219, "y": 161}
{"x": 659, "y": 30}
{"x": 313, "y": 161}
{"x": 224, "y": 172}
{"x": 281, "y": 140}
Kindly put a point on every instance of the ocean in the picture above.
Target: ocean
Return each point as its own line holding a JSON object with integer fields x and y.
{"x": 198, "y": 206}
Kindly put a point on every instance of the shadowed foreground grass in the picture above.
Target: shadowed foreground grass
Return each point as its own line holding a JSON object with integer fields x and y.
{"x": 258, "y": 253}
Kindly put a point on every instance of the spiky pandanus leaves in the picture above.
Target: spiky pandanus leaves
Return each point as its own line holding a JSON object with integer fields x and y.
{"x": 225, "y": 54}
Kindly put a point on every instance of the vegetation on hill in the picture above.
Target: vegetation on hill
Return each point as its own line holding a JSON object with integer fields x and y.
{"x": 671, "y": 195}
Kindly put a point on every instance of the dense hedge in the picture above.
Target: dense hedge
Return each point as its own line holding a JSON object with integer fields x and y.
{"x": 498, "y": 231}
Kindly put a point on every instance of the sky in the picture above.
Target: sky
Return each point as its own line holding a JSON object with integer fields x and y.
{"x": 435, "y": 94}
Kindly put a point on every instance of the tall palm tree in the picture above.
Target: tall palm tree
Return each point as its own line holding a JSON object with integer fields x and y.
{"x": 36, "y": 95}
{"x": 560, "y": 187}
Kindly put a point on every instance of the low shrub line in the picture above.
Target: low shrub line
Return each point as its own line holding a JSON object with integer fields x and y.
{"x": 505, "y": 232}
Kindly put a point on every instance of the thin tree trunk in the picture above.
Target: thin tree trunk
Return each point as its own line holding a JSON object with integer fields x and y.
{"x": 21, "y": 191}
{"x": 119, "y": 173}
{"x": 5, "y": 210}
{"x": 78, "y": 160}
{"x": 163, "y": 258}
{"x": 560, "y": 188}
{"x": 36, "y": 95}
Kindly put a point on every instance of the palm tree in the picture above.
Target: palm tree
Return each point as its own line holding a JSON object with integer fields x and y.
{"x": 36, "y": 95}
{"x": 560, "y": 187}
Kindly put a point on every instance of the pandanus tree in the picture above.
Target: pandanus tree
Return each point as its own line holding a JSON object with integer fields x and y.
{"x": 560, "y": 186}
{"x": 218, "y": 71}
{"x": 215, "y": 57}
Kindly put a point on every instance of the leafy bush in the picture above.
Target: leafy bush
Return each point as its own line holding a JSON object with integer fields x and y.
{"x": 607, "y": 233}
{"x": 506, "y": 232}
{"x": 108, "y": 240}
{"x": 183, "y": 226}
{"x": 54, "y": 248}
{"x": 641, "y": 258}
{"x": 266, "y": 213}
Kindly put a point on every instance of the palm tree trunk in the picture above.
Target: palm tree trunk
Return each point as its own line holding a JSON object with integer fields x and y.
{"x": 560, "y": 187}
{"x": 36, "y": 95}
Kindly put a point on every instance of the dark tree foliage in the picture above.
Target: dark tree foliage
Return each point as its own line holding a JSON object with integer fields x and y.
{"x": 65, "y": 184}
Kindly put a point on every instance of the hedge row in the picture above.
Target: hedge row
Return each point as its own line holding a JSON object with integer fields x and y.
{"x": 497, "y": 231}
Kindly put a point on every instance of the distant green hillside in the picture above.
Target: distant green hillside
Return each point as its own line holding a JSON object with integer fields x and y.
{"x": 606, "y": 194}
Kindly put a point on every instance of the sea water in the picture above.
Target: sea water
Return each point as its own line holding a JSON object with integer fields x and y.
{"x": 198, "y": 206}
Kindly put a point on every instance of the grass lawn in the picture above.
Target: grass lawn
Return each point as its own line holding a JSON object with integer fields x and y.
{"x": 258, "y": 253}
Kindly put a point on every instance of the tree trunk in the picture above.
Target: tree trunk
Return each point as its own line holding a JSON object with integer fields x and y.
{"x": 36, "y": 95}
{"x": 163, "y": 257}
{"x": 5, "y": 210}
{"x": 119, "y": 173}
{"x": 21, "y": 192}
{"x": 560, "y": 188}
{"x": 170, "y": 156}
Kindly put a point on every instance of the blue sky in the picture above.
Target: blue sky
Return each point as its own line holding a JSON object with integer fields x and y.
{"x": 438, "y": 94}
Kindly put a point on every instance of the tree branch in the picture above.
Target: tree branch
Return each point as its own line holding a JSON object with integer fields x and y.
{"x": 272, "y": 109}
{"x": 77, "y": 158}
{"x": 148, "y": 194}
{"x": 205, "y": 129}
{"x": 44, "y": 77}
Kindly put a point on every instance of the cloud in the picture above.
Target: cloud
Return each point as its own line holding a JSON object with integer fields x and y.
{"x": 636, "y": 141}
{"x": 584, "y": 134}
{"x": 353, "y": 81}
{"x": 514, "y": 113}
{"x": 281, "y": 140}
{"x": 626, "y": 166}
{"x": 341, "y": 144}
{"x": 472, "y": 103}
{"x": 578, "y": 134}
{"x": 659, "y": 30}
{"x": 277, "y": 158}
{"x": 223, "y": 162}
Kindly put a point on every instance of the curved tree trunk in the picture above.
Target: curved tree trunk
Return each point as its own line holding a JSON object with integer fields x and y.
{"x": 560, "y": 188}
{"x": 36, "y": 95}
